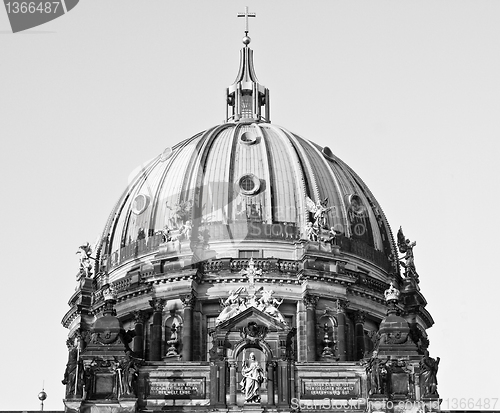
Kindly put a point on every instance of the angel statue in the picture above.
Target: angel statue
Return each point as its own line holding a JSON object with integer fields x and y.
{"x": 406, "y": 247}
{"x": 232, "y": 305}
{"x": 319, "y": 211}
{"x": 85, "y": 264}
{"x": 269, "y": 305}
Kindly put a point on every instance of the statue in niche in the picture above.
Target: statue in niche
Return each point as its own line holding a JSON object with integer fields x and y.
{"x": 428, "y": 375}
{"x": 173, "y": 342}
{"x": 129, "y": 367}
{"x": 253, "y": 377}
{"x": 85, "y": 252}
{"x": 406, "y": 247}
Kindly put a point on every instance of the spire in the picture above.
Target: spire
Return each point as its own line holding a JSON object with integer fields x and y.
{"x": 247, "y": 100}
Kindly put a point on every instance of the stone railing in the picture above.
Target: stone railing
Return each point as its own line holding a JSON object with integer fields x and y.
{"x": 238, "y": 264}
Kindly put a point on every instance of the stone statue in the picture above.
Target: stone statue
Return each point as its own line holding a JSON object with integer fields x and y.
{"x": 406, "y": 247}
{"x": 141, "y": 234}
{"x": 186, "y": 230}
{"x": 311, "y": 232}
{"x": 173, "y": 342}
{"x": 428, "y": 375}
{"x": 231, "y": 305}
{"x": 332, "y": 235}
{"x": 129, "y": 367}
{"x": 253, "y": 377}
{"x": 318, "y": 210}
{"x": 269, "y": 305}
{"x": 166, "y": 235}
{"x": 85, "y": 264}
{"x": 73, "y": 372}
{"x": 377, "y": 375}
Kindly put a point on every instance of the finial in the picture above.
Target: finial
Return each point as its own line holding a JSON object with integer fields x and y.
{"x": 42, "y": 396}
{"x": 246, "y": 15}
{"x": 246, "y": 99}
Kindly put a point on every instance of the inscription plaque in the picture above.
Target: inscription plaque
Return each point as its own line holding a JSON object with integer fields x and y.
{"x": 177, "y": 388}
{"x": 341, "y": 388}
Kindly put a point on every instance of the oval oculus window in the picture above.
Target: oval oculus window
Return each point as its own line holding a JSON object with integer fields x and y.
{"x": 140, "y": 204}
{"x": 249, "y": 184}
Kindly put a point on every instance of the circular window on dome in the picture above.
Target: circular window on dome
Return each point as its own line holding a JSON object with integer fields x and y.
{"x": 248, "y": 138}
{"x": 140, "y": 204}
{"x": 327, "y": 153}
{"x": 249, "y": 184}
{"x": 167, "y": 153}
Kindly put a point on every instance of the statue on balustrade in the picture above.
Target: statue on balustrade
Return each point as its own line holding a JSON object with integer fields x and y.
{"x": 253, "y": 377}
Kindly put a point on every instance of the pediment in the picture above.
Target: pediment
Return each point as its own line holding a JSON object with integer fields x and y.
{"x": 242, "y": 319}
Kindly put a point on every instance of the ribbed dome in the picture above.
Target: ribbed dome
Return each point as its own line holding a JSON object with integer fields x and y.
{"x": 243, "y": 183}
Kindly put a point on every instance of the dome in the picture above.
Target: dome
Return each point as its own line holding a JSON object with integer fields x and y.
{"x": 243, "y": 184}
{"x": 245, "y": 236}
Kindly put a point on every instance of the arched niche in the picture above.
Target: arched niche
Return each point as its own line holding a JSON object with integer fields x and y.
{"x": 327, "y": 337}
{"x": 170, "y": 320}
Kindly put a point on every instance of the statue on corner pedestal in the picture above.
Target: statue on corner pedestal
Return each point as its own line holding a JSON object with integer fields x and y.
{"x": 428, "y": 375}
{"x": 253, "y": 377}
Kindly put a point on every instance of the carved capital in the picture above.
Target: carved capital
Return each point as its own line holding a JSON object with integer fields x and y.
{"x": 342, "y": 305}
{"x": 271, "y": 364}
{"x": 360, "y": 317}
{"x": 188, "y": 300}
{"x": 139, "y": 317}
{"x": 157, "y": 304}
{"x": 310, "y": 301}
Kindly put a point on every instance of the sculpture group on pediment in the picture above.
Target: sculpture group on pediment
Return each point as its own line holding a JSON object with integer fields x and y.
{"x": 236, "y": 303}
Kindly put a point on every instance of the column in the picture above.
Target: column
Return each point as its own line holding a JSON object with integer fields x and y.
{"x": 232, "y": 383}
{"x": 310, "y": 302}
{"x": 359, "y": 331}
{"x": 155, "y": 349}
{"x": 188, "y": 302}
{"x": 283, "y": 383}
{"x": 270, "y": 382}
{"x": 341, "y": 307}
{"x": 138, "y": 341}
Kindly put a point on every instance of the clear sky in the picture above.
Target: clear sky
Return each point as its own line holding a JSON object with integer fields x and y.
{"x": 406, "y": 92}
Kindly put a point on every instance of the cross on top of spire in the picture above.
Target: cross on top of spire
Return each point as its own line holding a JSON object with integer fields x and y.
{"x": 246, "y": 15}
